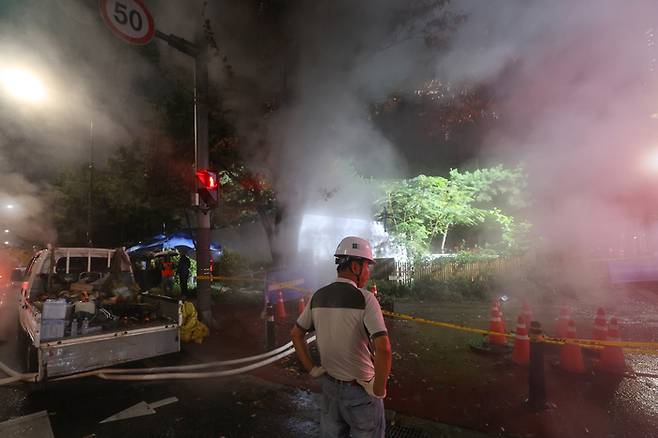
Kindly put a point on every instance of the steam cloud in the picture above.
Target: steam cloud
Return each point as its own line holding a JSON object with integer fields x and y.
{"x": 324, "y": 148}
{"x": 575, "y": 85}
{"x": 88, "y": 77}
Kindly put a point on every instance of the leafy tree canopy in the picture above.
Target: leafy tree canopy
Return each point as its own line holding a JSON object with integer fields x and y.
{"x": 420, "y": 209}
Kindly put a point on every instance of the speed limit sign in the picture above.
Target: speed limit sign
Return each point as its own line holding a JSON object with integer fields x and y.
{"x": 128, "y": 19}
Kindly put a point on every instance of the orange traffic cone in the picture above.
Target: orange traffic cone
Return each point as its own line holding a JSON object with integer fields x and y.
{"x": 496, "y": 325}
{"x": 496, "y": 303}
{"x": 612, "y": 356}
{"x": 301, "y": 305}
{"x": 526, "y": 313}
{"x": 280, "y": 307}
{"x": 562, "y": 326}
{"x": 600, "y": 326}
{"x": 571, "y": 355}
{"x": 521, "y": 353}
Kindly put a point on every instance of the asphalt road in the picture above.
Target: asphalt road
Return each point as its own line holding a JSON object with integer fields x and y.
{"x": 235, "y": 407}
{"x": 240, "y": 406}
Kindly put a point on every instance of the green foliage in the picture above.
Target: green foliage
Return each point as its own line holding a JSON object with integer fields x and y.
{"x": 418, "y": 210}
{"x": 463, "y": 257}
{"x": 191, "y": 286}
{"x": 232, "y": 264}
{"x": 421, "y": 208}
{"x": 457, "y": 288}
{"x": 135, "y": 194}
{"x": 495, "y": 186}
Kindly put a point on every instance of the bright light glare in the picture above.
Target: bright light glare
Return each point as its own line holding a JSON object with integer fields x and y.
{"x": 6, "y": 231}
{"x": 10, "y": 206}
{"x": 651, "y": 162}
{"x": 23, "y": 85}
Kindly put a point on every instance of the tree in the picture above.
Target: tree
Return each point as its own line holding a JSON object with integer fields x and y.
{"x": 502, "y": 193}
{"x": 496, "y": 185}
{"x": 136, "y": 193}
{"x": 419, "y": 209}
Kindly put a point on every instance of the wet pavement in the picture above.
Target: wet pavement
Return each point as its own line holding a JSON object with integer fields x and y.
{"x": 273, "y": 401}
{"x": 439, "y": 386}
{"x": 439, "y": 377}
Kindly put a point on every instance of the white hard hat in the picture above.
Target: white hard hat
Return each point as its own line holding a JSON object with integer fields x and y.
{"x": 352, "y": 246}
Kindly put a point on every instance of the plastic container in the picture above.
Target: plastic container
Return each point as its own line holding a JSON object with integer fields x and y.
{"x": 74, "y": 328}
{"x": 54, "y": 309}
{"x": 88, "y": 307}
{"x": 85, "y": 326}
{"x": 52, "y": 329}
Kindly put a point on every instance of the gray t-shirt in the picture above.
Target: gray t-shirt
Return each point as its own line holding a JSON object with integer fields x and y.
{"x": 345, "y": 319}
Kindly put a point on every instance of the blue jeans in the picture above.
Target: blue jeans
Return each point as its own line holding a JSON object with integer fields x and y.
{"x": 348, "y": 410}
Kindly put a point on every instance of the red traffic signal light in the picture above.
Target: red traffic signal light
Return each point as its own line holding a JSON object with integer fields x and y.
{"x": 207, "y": 178}
{"x": 208, "y": 188}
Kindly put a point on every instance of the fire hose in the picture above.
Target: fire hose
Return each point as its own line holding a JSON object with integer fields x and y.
{"x": 15, "y": 376}
{"x": 167, "y": 373}
{"x": 201, "y": 365}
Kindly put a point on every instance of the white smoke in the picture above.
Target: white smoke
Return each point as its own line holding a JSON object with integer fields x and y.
{"x": 575, "y": 87}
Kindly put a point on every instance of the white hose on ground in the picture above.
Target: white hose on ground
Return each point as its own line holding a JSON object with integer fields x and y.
{"x": 8, "y": 380}
{"x": 197, "y": 366}
{"x": 204, "y": 375}
{"x": 114, "y": 374}
{"x": 5, "y": 369}
{"x": 15, "y": 376}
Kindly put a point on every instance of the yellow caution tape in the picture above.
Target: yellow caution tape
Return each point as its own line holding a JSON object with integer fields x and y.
{"x": 300, "y": 289}
{"x": 220, "y": 278}
{"x": 630, "y": 346}
{"x": 459, "y": 327}
{"x": 592, "y": 342}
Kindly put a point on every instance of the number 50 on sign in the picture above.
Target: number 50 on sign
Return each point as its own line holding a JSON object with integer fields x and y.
{"x": 128, "y": 19}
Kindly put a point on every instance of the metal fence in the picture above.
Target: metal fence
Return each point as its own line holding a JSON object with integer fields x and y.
{"x": 406, "y": 272}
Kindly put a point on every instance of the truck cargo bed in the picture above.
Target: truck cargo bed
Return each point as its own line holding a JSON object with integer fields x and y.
{"x": 74, "y": 355}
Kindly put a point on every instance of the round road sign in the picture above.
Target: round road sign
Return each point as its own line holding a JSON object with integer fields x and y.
{"x": 128, "y": 19}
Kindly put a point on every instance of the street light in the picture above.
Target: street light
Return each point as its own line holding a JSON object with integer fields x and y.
{"x": 23, "y": 84}
{"x": 650, "y": 162}
{"x": 26, "y": 86}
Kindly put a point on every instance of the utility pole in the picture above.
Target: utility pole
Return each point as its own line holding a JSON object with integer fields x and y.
{"x": 199, "y": 52}
{"x": 201, "y": 153}
{"x": 133, "y": 23}
{"x": 90, "y": 195}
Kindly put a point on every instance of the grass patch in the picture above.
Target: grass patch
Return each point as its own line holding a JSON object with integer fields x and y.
{"x": 455, "y": 289}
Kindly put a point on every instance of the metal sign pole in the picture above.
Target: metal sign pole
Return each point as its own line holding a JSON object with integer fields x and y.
{"x": 201, "y": 146}
{"x": 133, "y": 23}
{"x": 200, "y": 54}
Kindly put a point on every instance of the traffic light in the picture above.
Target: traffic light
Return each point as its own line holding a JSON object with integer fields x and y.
{"x": 208, "y": 187}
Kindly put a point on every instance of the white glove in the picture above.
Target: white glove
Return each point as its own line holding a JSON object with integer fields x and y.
{"x": 368, "y": 385}
{"x": 317, "y": 372}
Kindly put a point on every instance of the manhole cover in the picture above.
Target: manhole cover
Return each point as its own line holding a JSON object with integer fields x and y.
{"x": 405, "y": 432}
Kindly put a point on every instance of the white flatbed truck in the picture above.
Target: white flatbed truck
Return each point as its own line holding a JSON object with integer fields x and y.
{"x": 67, "y": 350}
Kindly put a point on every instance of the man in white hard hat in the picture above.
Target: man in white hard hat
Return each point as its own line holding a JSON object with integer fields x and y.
{"x": 347, "y": 321}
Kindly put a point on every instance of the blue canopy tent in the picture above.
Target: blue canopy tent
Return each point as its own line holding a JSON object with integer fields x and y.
{"x": 177, "y": 240}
